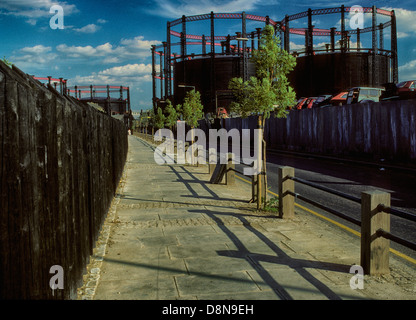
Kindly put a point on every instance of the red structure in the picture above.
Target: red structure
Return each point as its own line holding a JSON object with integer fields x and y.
{"x": 54, "y": 82}
{"x": 116, "y": 99}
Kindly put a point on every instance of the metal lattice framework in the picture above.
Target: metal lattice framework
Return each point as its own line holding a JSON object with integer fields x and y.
{"x": 377, "y": 46}
{"x": 54, "y": 82}
{"x": 167, "y": 59}
{"x": 94, "y": 93}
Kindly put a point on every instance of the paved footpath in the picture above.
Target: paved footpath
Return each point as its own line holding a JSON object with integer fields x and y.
{"x": 170, "y": 234}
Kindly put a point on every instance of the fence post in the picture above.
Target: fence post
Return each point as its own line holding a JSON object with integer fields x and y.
{"x": 374, "y": 249}
{"x": 286, "y": 190}
{"x": 230, "y": 173}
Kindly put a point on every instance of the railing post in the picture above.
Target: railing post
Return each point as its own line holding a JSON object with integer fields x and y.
{"x": 230, "y": 173}
{"x": 374, "y": 249}
{"x": 286, "y": 190}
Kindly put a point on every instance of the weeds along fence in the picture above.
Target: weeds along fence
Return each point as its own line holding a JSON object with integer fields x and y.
{"x": 60, "y": 165}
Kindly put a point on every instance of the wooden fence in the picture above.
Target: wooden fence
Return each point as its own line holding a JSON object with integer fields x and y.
{"x": 60, "y": 165}
{"x": 368, "y": 130}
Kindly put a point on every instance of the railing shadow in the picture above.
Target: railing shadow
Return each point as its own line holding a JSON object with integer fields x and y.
{"x": 253, "y": 258}
{"x": 281, "y": 258}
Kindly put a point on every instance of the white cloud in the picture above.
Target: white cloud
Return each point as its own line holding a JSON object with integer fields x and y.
{"x": 138, "y": 43}
{"x": 105, "y": 48}
{"x": 34, "y": 57}
{"x": 33, "y": 9}
{"x": 135, "y": 48}
{"x": 408, "y": 71}
{"x": 42, "y": 59}
{"x": 111, "y": 60}
{"x": 90, "y": 28}
{"x": 32, "y": 21}
{"x": 127, "y": 75}
{"x": 77, "y": 51}
{"x": 38, "y": 50}
{"x": 401, "y": 35}
{"x": 406, "y": 22}
{"x": 128, "y": 70}
{"x": 168, "y": 9}
{"x": 296, "y": 47}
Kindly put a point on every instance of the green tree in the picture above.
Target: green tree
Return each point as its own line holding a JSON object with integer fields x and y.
{"x": 158, "y": 119}
{"x": 192, "y": 108}
{"x": 268, "y": 92}
{"x": 192, "y": 111}
{"x": 172, "y": 115}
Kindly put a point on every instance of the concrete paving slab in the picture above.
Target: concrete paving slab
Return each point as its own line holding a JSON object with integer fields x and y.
{"x": 189, "y": 231}
{"x": 140, "y": 267}
{"x": 195, "y": 250}
{"x": 157, "y": 242}
{"x": 128, "y": 215}
{"x": 179, "y": 213}
{"x": 290, "y": 282}
{"x": 203, "y": 239}
{"x": 130, "y": 231}
{"x": 242, "y": 296}
{"x": 175, "y": 236}
{"x": 218, "y": 265}
{"x": 131, "y": 199}
{"x": 213, "y": 284}
{"x": 162, "y": 288}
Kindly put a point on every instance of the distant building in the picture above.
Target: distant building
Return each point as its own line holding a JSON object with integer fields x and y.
{"x": 118, "y": 107}
{"x": 92, "y": 95}
{"x": 329, "y": 61}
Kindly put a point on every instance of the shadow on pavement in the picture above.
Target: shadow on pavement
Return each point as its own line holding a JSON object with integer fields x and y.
{"x": 299, "y": 265}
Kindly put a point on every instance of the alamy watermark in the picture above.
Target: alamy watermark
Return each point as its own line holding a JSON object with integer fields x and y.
{"x": 57, "y": 20}
{"x": 57, "y": 281}
{"x": 196, "y": 152}
{"x": 357, "y": 281}
{"x": 356, "y": 17}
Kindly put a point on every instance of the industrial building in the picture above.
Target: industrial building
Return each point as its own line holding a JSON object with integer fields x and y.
{"x": 331, "y": 60}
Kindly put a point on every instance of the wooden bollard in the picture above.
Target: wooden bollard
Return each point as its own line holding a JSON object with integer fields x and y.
{"x": 286, "y": 187}
{"x": 374, "y": 249}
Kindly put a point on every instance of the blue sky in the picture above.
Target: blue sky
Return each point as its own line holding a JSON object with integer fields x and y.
{"x": 108, "y": 42}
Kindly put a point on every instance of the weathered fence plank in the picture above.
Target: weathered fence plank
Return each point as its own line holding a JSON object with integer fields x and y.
{"x": 60, "y": 163}
{"x": 370, "y": 130}
{"x": 4, "y": 239}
